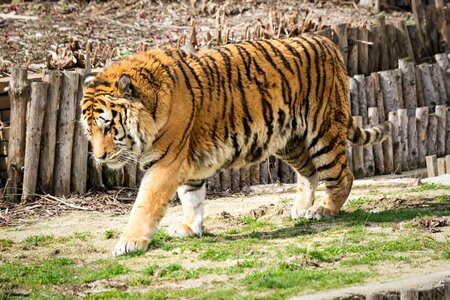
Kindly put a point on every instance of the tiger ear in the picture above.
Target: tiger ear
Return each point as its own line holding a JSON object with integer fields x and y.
{"x": 124, "y": 85}
{"x": 87, "y": 78}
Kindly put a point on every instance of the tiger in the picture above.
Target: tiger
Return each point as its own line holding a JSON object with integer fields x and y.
{"x": 186, "y": 116}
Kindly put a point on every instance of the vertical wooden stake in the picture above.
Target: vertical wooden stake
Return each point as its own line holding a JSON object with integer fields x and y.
{"x": 396, "y": 144}
{"x": 431, "y": 165}
{"x": 340, "y": 34}
{"x": 439, "y": 85}
{"x": 431, "y": 134}
{"x": 442, "y": 61}
{"x": 255, "y": 175}
{"x": 47, "y": 156}
{"x": 403, "y": 137}
{"x": 264, "y": 172}
{"x": 377, "y": 148}
{"x": 352, "y": 63}
{"x": 440, "y": 138}
{"x": 35, "y": 119}
{"x": 447, "y": 168}
{"x": 441, "y": 166}
{"x": 235, "y": 179}
{"x": 362, "y": 101}
{"x": 429, "y": 92}
{"x": 19, "y": 95}
{"x": 407, "y": 71}
{"x": 65, "y": 133}
{"x": 358, "y": 157}
{"x": 422, "y": 124}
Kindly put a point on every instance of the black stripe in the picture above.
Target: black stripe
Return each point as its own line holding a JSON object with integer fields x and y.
{"x": 332, "y": 163}
{"x": 278, "y": 53}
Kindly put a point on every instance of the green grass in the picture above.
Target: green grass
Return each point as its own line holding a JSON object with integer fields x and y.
{"x": 430, "y": 187}
{"x": 38, "y": 240}
{"x": 58, "y": 271}
{"x": 161, "y": 241}
{"x": 109, "y": 234}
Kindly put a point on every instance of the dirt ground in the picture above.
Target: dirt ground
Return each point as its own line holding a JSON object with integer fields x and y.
{"x": 383, "y": 234}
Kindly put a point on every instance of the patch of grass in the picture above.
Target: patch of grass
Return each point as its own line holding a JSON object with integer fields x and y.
{"x": 161, "y": 240}
{"x": 58, "y": 271}
{"x": 38, "y": 240}
{"x": 357, "y": 202}
{"x": 138, "y": 252}
{"x": 83, "y": 236}
{"x": 298, "y": 279}
{"x": 443, "y": 198}
{"x": 216, "y": 253}
{"x": 125, "y": 53}
{"x": 430, "y": 187}
{"x": 447, "y": 254}
{"x": 116, "y": 294}
{"x": 232, "y": 231}
{"x": 6, "y": 244}
{"x": 109, "y": 234}
{"x": 171, "y": 271}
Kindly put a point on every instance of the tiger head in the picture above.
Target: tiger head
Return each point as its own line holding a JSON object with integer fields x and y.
{"x": 118, "y": 111}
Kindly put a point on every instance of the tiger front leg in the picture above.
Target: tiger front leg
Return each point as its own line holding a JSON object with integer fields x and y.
{"x": 192, "y": 196}
{"x": 157, "y": 188}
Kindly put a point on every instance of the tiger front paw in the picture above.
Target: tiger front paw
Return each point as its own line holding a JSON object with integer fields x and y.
{"x": 128, "y": 245}
{"x": 181, "y": 230}
{"x": 316, "y": 212}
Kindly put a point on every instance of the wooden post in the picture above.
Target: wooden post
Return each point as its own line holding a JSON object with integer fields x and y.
{"x": 255, "y": 175}
{"x": 273, "y": 169}
{"x": 407, "y": 71}
{"x": 130, "y": 174}
{"x": 412, "y": 142}
{"x": 370, "y": 93}
{"x": 78, "y": 178}
{"x": 95, "y": 177}
{"x": 447, "y": 132}
{"x": 65, "y": 133}
{"x": 419, "y": 18}
{"x": 447, "y": 164}
{"x": 235, "y": 179}
{"x": 403, "y": 137}
{"x": 354, "y": 95}
{"x": 35, "y": 119}
{"x": 440, "y": 138}
{"x": 285, "y": 172}
{"x": 363, "y": 51}
{"x": 217, "y": 182}
{"x": 362, "y": 101}
{"x": 19, "y": 94}
{"x": 394, "y": 49}
{"x": 406, "y": 49}
{"x": 429, "y": 92}
{"x": 377, "y": 148}
{"x": 374, "y": 49}
{"x": 369, "y": 164}
{"x": 431, "y": 165}
{"x": 264, "y": 172}
{"x": 225, "y": 180}
{"x": 422, "y": 124}
{"x": 396, "y": 145}
{"x": 439, "y": 86}
{"x": 358, "y": 157}
{"x": 431, "y": 134}
{"x": 378, "y": 93}
{"x": 419, "y": 88}
{"x": 441, "y": 166}
{"x": 409, "y": 295}
{"x": 48, "y": 143}
{"x": 389, "y": 82}
{"x": 340, "y": 34}
{"x": 384, "y": 44}
{"x": 442, "y": 61}
{"x": 352, "y": 62}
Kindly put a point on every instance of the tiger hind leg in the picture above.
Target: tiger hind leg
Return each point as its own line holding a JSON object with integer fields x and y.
{"x": 307, "y": 178}
{"x": 338, "y": 180}
{"x": 192, "y": 196}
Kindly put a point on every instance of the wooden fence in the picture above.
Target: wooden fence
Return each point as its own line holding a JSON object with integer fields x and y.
{"x": 48, "y": 152}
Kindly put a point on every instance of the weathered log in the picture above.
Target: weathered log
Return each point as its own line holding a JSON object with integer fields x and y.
{"x": 264, "y": 172}
{"x": 420, "y": 42}
{"x": 419, "y": 88}
{"x": 358, "y": 154}
{"x": 396, "y": 144}
{"x": 405, "y": 46}
{"x": 130, "y": 174}
{"x": 255, "y": 174}
{"x": 235, "y": 179}
{"x": 19, "y": 94}
{"x": 431, "y": 165}
{"x": 409, "y": 295}
{"x": 369, "y": 163}
{"x": 441, "y": 166}
{"x": 80, "y": 146}
{"x": 340, "y": 38}
{"x": 370, "y": 93}
{"x": 440, "y": 138}
{"x": 112, "y": 178}
{"x": 378, "y": 156}
{"x": 354, "y": 95}
{"x": 384, "y": 44}
{"x": 412, "y": 142}
{"x": 285, "y": 172}
{"x": 402, "y": 114}
{"x": 374, "y": 49}
{"x": 431, "y": 134}
{"x": 429, "y": 92}
{"x": 447, "y": 164}
{"x": 352, "y": 62}
{"x": 48, "y": 144}
{"x": 225, "y": 180}
{"x": 378, "y": 94}
{"x": 362, "y": 101}
{"x": 394, "y": 51}
{"x": 439, "y": 86}
{"x": 35, "y": 119}
{"x": 273, "y": 169}
{"x": 412, "y": 32}
{"x": 389, "y": 83}
{"x": 363, "y": 51}
{"x": 422, "y": 125}
{"x": 442, "y": 61}
{"x": 217, "y": 182}
{"x": 65, "y": 133}
{"x": 95, "y": 178}
{"x": 407, "y": 71}
{"x": 447, "y": 132}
